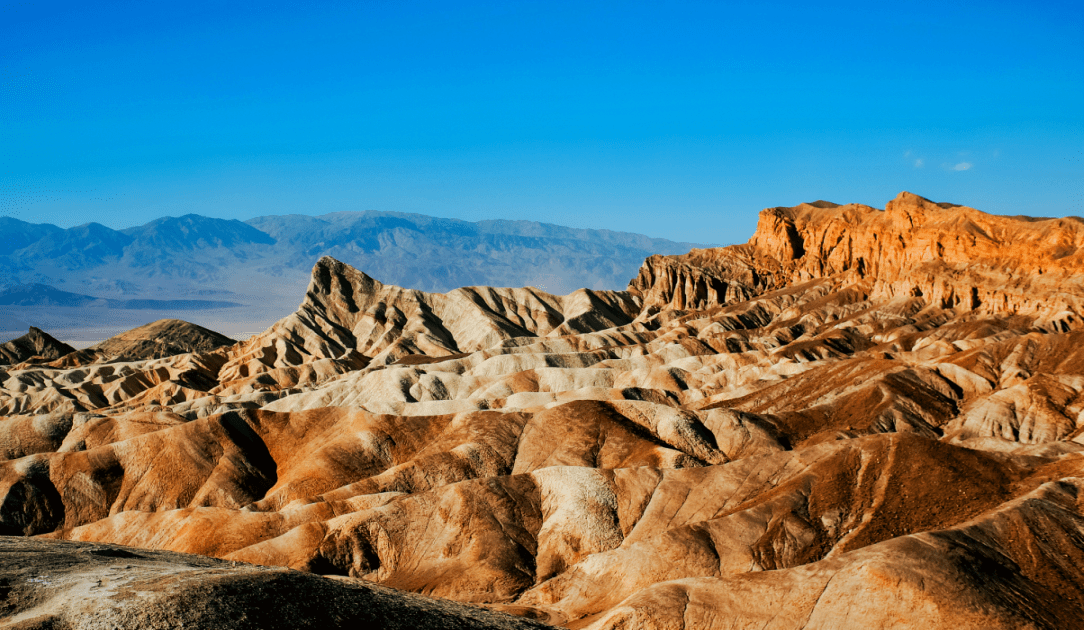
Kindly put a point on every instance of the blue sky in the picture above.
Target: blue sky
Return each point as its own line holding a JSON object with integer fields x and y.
{"x": 679, "y": 120}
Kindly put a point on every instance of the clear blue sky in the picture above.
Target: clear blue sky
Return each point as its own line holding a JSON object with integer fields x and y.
{"x": 679, "y": 120}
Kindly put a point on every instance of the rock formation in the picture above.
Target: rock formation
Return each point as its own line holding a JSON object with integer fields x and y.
{"x": 349, "y": 320}
{"x": 859, "y": 418}
{"x": 35, "y": 344}
{"x": 163, "y": 338}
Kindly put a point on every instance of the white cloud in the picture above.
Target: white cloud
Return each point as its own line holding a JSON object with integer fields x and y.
{"x": 919, "y": 163}
{"x": 962, "y": 166}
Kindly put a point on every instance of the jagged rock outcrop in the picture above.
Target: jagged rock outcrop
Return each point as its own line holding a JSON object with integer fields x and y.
{"x": 951, "y": 256}
{"x": 702, "y": 279}
{"x": 35, "y": 344}
{"x": 860, "y": 418}
{"x": 349, "y": 320}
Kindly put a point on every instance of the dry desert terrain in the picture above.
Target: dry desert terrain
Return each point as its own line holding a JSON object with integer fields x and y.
{"x": 860, "y": 419}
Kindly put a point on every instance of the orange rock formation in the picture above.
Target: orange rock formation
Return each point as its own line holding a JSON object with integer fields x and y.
{"x": 860, "y": 418}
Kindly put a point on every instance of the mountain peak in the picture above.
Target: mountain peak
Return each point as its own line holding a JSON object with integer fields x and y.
{"x": 163, "y": 338}
{"x": 36, "y": 343}
{"x": 194, "y": 231}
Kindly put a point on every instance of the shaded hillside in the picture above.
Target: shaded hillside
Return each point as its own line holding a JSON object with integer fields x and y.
{"x": 83, "y": 247}
{"x": 35, "y": 343}
{"x": 858, "y": 419}
{"x": 177, "y": 234}
{"x": 16, "y": 234}
{"x": 163, "y": 338}
{"x": 80, "y": 586}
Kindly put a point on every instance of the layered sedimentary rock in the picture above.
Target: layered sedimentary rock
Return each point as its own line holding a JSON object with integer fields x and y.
{"x": 860, "y": 418}
{"x": 160, "y": 339}
{"x": 951, "y": 256}
{"x": 36, "y": 344}
{"x": 350, "y": 320}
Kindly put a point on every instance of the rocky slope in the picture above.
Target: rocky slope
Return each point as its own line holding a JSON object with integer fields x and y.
{"x": 859, "y": 419}
{"x": 160, "y": 339}
{"x": 951, "y": 256}
{"x": 84, "y": 587}
{"x": 35, "y": 344}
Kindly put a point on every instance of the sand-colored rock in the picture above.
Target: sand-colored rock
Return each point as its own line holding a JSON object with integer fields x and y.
{"x": 952, "y": 256}
{"x": 353, "y": 319}
{"x": 1015, "y": 567}
{"x": 858, "y": 419}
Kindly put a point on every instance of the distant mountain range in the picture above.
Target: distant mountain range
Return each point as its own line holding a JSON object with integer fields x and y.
{"x": 45, "y": 295}
{"x": 195, "y": 262}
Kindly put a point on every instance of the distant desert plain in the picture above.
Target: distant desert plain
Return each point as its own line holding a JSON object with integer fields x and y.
{"x": 859, "y": 419}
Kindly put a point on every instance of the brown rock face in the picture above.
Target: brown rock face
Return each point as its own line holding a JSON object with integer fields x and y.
{"x": 160, "y": 339}
{"x": 35, "y": 344}
{"x": 859, "y": 419}
{"x": 952, "y": 256}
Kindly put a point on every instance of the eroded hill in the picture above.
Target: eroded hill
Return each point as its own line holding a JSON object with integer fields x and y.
{"x": 860, "y": 418}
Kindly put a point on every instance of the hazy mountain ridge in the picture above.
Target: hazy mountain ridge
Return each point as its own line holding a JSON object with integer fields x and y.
{"x": 435, "y": 254}
{"x": 265, "y": 262}
{"x": 45, "y": 295}
{"x": 301, "y": 237}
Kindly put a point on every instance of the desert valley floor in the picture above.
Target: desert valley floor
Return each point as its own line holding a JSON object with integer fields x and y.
{"x": 861, "y": 419}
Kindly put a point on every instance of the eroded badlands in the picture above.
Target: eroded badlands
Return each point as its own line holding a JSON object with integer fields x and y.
{"x": 861, "y": 418}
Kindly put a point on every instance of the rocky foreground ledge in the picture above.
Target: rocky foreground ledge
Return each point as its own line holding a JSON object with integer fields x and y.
{"x": 80, "y": 586}
{"x": 861, "y": 418}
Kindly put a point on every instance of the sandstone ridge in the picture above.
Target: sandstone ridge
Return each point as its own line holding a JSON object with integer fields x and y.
{"x": 950, "y": 255}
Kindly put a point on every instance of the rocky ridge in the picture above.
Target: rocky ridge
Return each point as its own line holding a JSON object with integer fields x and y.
{"x": 160, "y": 339}
{"x": 35, "y": 344}
{"x": 951, "y": 256}
{"x": 860, "y": 418}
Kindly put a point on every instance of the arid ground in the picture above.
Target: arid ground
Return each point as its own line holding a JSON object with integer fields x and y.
{"x": 861, "y": 418}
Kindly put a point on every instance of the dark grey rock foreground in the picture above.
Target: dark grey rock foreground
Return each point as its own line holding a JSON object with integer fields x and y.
{"x": 48, "y": 584}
